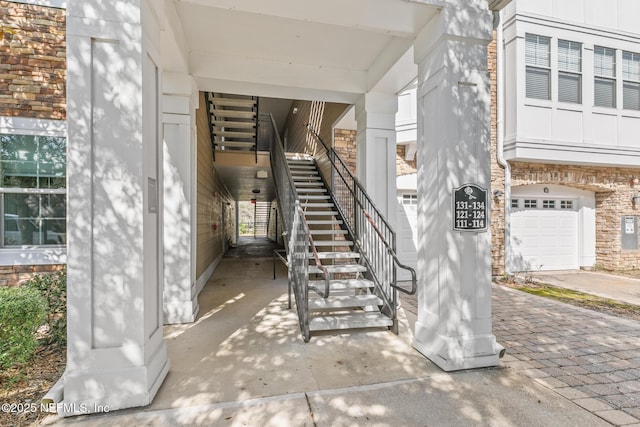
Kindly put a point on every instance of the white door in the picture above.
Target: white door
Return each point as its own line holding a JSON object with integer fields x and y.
{"x": 407, "y": 231}
{"x": 544, "y": 234}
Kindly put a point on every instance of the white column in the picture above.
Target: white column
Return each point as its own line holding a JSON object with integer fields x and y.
{"x": 180, "y": 100}
{"x": 376, "y": 149}
{"x": 116, "y": 356}
{"x": 454, "y": 268}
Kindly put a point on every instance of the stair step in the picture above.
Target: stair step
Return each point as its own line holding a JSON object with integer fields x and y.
{"x": 305, "y": 167}
{"x": 236, "y": 144}
{"x": 338, "y": 255}
{"x": 310, "y": 197}
{"x": 320, "y": 213}
{"x": 324, "y": 222}
{"x": 349, "y": 321}
{"x": 234, "y": 134}
{"x": 343, "y": 284}
{"x": 297, "y": 178}
{"x": 309, "y": 184}
{"x": 316, "y": 205}
{"x": 345, "y": 268}
{"x": 234, "y": 114}
{"x": 328, "y": 232}
{"x": 312, "y": 190}
{"x": 233, "y": 102}
{"x": 347, "y": 301}
{"x": 298, "y": 158}
{"x": 333, "y": 243}
{"x": 228, "y": 124}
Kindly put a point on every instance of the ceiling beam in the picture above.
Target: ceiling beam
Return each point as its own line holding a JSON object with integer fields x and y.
{"x": 367, "y": 15}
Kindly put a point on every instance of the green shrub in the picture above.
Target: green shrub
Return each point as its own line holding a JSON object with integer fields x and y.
{"x": 22, "y": 311}
{"x": 53, "y": 287}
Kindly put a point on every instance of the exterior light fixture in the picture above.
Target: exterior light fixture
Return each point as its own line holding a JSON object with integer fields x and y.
{"x": 497, "y": 193}
{"x": 634, "y": 181}
{"x": 255, "y": 191}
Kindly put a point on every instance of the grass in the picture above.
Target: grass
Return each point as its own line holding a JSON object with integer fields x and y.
{"x": 580, "y": 299}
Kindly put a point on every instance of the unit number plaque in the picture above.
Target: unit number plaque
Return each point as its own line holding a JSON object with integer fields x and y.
{"x": 470, "y": 208}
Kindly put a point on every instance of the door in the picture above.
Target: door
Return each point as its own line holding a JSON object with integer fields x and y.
{"x": 544, "y": 234}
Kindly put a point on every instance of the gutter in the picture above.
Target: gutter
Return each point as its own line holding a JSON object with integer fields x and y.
{"x": 497, "y": 24}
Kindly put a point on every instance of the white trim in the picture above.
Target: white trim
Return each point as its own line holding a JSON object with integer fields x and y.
{"x": 204, "y": 277}
{"x": 29, "y": 126}
{"x": 59, "y": 4}
{"x": 23, "y": 255}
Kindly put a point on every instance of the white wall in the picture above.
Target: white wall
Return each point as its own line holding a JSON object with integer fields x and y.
{"x": 552, "y": 131}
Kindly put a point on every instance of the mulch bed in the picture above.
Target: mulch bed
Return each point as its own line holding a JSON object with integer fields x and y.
{"x": 22, "y": 387}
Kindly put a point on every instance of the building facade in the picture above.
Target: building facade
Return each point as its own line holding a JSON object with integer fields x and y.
{"x": 33, "y": 140}
{"x": 568, "y": 126}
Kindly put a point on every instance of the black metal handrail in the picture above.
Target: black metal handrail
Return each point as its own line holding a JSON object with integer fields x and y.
{"x": 359, "y": 210}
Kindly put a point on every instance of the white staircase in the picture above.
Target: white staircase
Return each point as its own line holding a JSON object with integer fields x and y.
{"x": 233, "y": 121}
{"x": 351, "y": 303}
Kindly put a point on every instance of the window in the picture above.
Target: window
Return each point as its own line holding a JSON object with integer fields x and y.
{"x": 604, "y": 63}
{"x": 631, "y": 80}
{"x": 548, "y": 204}
{"x": 33, "y": 190}
{"x": 515, "y": 203}
{"x": 538, "y": 63}
{"x": 566, "y": 204}
{"x": 532, "y": 204}
{"x": 569, "y": 71}
{"x": 409, "y": 199}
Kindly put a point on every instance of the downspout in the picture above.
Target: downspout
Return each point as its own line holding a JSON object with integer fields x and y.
{"x": 497, "y": 23}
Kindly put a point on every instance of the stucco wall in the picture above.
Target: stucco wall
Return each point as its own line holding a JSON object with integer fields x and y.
{"x": 32, "y": 61}
{"x": 211, "y": 197}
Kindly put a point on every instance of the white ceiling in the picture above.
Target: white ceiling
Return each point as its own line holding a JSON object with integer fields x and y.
{"x": 332, "y": 50}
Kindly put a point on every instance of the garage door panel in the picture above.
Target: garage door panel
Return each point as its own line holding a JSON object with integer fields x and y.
{"x": 545, "y": 239}
{"x": 407, "y": 231}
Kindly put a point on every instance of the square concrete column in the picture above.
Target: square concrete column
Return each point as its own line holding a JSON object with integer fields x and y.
{"x": 454, "y": 267}
{"x": 116, "y": 356}
{"x": 376, "y": 149}
{"x": 180, "y": 100}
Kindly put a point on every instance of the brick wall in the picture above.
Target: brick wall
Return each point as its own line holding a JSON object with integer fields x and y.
{"x": 497, "y": 174}
{"x": 344, "y": 142}
{"x": 32, "y": 61}
{"x": 14, "y": 275}
{"x": 404, "y": 167}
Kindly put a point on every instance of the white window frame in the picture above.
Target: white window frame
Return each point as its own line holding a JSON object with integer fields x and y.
{"x": 611, "y": 78}
{"x": 33, "y": 255}
{"x": 569, "y": 70}
{"x": 630, "y": 79}
{"x": 537, "y": 63}
{"x": 410, "y": 199}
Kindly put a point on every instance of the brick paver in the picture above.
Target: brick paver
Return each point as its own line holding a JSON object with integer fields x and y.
{"x": 588, "y": 357}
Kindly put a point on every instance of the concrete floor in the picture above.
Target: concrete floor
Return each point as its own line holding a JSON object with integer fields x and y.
{"x": 243, "y": 363}
{"x": 605, "y": 285}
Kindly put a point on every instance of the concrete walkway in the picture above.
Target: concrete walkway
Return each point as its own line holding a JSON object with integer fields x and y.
{"x": 601, "y": 284}
{"x": 242, "y": 363}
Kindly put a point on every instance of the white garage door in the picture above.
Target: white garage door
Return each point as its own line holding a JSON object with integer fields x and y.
{"x": 407, "y": 230}
{"x": 544, "y": 234}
